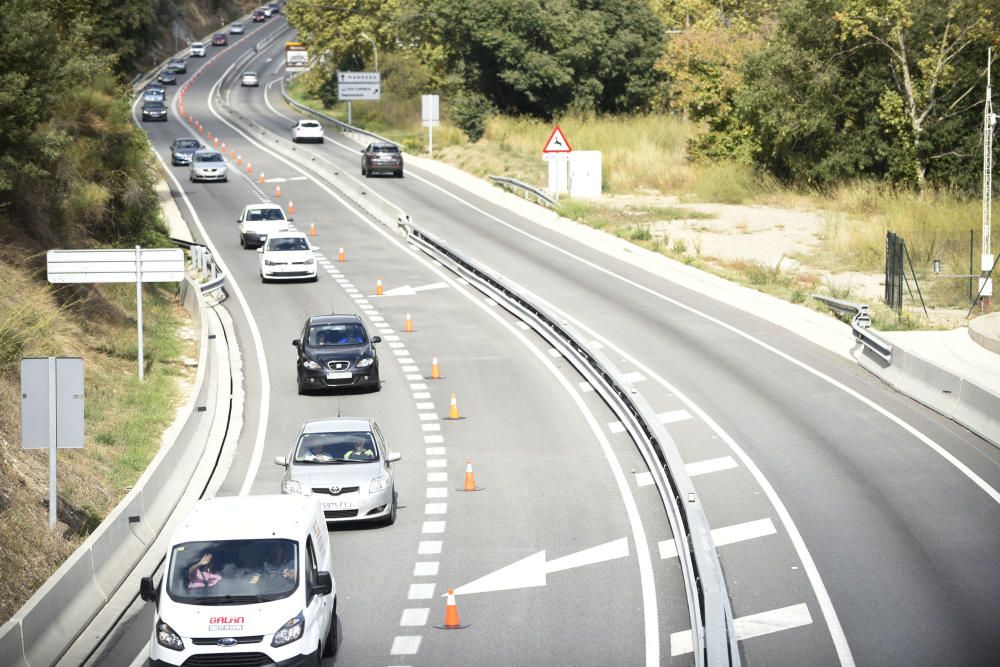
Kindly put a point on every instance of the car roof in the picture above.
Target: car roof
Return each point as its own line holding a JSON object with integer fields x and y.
{"x": 207, "y": 151}
{"x": 177, "y": 139}
{"x": 253, "y": 73}
{"x": 256, "y": 207}
{"x": 333, "y": 319}
{"x": 247, "y": 517}
{"x": 197, "y": 43}
{"x": 337, "y": 425}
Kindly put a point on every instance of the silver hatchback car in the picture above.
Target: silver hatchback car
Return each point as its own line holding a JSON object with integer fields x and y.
{"x": 344, "y": 461}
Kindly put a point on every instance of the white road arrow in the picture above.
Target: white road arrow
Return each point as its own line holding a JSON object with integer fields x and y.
{"x": 531, "y": 571}
{"x": 407, "y": 290}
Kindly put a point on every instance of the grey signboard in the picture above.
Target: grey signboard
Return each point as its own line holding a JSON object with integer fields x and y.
{"x": 44, "y": 388}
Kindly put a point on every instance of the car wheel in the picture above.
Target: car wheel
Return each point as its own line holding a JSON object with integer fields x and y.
{"x": 390, "y": 518}
{"x": 295, "y": 140}
{"x": 331, "y": 637}
{"x": 314, "y": 278}
{"x": 243, "y": 243}
{"x": 399, "y": 174}
{"x": 363, "y": 170}
{"x": 321, "y": 140}
{"x": 302, "y": 389}
{"x": 226, "y": 179}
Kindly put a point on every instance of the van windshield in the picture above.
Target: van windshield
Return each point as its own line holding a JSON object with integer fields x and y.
{"x": 222, "y": 572}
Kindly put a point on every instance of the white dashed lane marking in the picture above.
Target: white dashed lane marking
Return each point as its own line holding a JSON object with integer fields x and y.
{"x": 755, "y": 625}
{"x": 710, "y": 465}
{"x": 414, "y": 617}
{"x": 740, "y": 532}
{"x": 429, "y": 547}
{"x": 405, "y": 645}
{"x": 671, "y": 417}
{"x": 426, "y": 568}
{"x": 420, "y": 592}
{"x": 433, "y": 527}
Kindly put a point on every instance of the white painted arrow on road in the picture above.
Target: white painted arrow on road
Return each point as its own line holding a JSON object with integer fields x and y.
{"x": 531, "y": 571}
{"x": 407, "y": 290}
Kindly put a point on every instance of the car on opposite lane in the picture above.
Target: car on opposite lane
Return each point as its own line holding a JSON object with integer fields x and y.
{"x": 346, "y": 464}
{"x": 182, "y": 149}
{"x": 249, "y": 79}
{"x": 287, "y": 255}
{"x": 236, "y": 29}
{"x": 258, "y": 221}
{"x": 177, "y": 65}
{"x": 197, "y": 49}
{"x": 307, "y": 130}
{"x": 208, "y": 165}
{"x": 381, "y": 157}
{"x": 335, "y": 352}
{"x": 219, "y": 39}
{"x": 154, "y": 111}
{"x": 167, "y": 77}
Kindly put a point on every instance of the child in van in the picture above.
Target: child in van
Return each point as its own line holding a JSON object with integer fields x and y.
{"x": 202, "y": 574}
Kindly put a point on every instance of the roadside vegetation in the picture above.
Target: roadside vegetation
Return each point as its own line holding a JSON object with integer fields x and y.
{"x": 75, "y": 172}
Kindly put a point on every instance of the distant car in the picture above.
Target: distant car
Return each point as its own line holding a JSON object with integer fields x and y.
{"x": 153, "y": 95}
{"x": 236, "y": 29}
{"x": 208, "y": 165}
{"x": 177, "y": 65}
{"x": 197, "y": 49}
{"x": 219, "y": 39}
{"x": 258, "y": 16}
{"x": 382, "y": 158}
{"x": 274, "y": 7}
{"x": 287, "y": 255}
{"x": 345, "y": 462}
{"x": 268, "y": 11}
{"x": 259, "y": 221}
{"x": 154, "y": 111}
{"x": 182, "y": 149}
{"x": 167, "y": 77}
{"x": 249, "y": 79}
{"x": 307, "y": 130}
{"x": 335, "y": 352}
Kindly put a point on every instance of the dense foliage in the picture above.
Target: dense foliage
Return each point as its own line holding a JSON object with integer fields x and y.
{"x": 815, "y": 92}
{"x": 73, "y": 166}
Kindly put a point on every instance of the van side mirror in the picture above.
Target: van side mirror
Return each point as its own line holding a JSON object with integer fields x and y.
{"x": 323, "y": 585}
{"x": 394, "y": 456}
{"x": 376, "y": 339}
{"x": 260, "y": 250}
{"x": 280, "y": 461}
{"x": 147, "y": 591}
{"x": 296, "y": 343}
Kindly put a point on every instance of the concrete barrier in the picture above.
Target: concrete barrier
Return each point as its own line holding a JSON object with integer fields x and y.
{"x": 40, "y": 632}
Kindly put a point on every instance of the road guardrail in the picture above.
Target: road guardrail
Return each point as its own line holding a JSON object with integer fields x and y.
{"x": 861, "y": 323}
{"x": 513, "y": 182}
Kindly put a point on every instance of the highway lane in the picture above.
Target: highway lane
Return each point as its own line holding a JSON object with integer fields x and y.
{"x": 903, "y": 540}
{"x": 532, "y": 433}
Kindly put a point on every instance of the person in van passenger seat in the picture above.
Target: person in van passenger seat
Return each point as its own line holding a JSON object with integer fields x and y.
{"x": 202, "y": 574}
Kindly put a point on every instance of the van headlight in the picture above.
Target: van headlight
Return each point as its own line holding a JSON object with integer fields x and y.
{"x": 290, "y": 631}
{"x": 291, "y": 486}
{"x": 165, "y": 636}
{"x": 378, "y": 484}
{"x": 365, "y": 363}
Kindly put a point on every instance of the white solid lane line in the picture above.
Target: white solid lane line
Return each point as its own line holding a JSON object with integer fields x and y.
{"x": 709, "y": 465}
{"x": 755, "y": 625}
{"x": 740, "y": 532}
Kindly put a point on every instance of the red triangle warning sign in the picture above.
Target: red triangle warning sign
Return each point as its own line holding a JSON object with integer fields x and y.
{"x": 557, "y": 143}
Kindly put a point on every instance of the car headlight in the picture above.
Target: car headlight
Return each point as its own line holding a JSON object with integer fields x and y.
{"x": 291, "y": 486}
{"x": 310, "y": 364}
{"x": 309, "y": 261}
{"x": 379, "y": 484}
{"x": 365, "y": 363}
{"x": 268, "y": 262}
{"x": 165, "y": 636}
{"x": 290, "y": 631}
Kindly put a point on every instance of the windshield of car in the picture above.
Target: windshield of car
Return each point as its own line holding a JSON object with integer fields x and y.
{"x": 152, "y": 104}
{"x": 250, "y": 75}
{"x": 357, "y": 446}
{"x": 197, "y": 45}
{"x": 265, "y": 214}
{"x": 208, "y": 157}
{"x": 287, "y": 243}
{"x": 328, "y": 335}
{"x": 187, "y": 143}
{"x": 232, "y": 571}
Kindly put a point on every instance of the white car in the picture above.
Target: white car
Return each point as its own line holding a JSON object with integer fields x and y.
{"x": 268, "y": 11}
{"x": 249, "y": 79}
{"x": 208, "y": 165}
{"x": 197, "y": 49}
{"x": 258, "y": 221}
{"x": 287, "y": 255}
{"x": 236, "y": 29}
{"x": 307, "y": 130}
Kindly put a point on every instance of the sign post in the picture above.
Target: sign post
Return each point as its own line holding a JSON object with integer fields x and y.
{"x": 557, "y": 148}
{"x": 142, "y": 265}
{"x": 52, "y": 410}
{"x": 430, "y": 115}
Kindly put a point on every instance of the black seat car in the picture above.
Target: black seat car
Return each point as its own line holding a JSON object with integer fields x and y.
{"x": 167, "y": 77}
{"x": 177, "y": 65}
{"x": 154, "y": 111}
{"x": 382, "y": 158}
{"x": 335, "y": 351}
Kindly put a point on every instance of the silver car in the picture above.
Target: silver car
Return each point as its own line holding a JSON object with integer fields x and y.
{"x": 344, "y": 461}
{"x": 208, "y": 165}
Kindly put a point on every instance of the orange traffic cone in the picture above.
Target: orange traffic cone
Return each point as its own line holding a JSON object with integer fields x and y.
{"x": 340, "y": 256}
{"x": 249, "y": 167}
{"x": 451, "y": 621}
{"x": 453, "y": 409}
{"x": 216, "y": 141}
{"x": 312, "y": 229}
{"x": 209, "y": 136}
{"x": 239, "y": 159}
{"x": 378, "y": 287}
{"x": 470, "y": 479}
{"x": 232, "y": 154}
{"x": 277, "y": 191}
{"x": 408, "y": 325}
{"x": 260, "y": 179}
{"x": 435, "y": 369}
{"x": 201, "y": 130}
{"x": 291, "y": 207}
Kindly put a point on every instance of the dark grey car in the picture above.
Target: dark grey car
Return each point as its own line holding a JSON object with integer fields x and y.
{"x": 178, "y": 65}
{"x": 382, "y": 158}
{"x": 182, "y": 149}
{"x": 154, "y": 111}
{"x": 335, "y": 352}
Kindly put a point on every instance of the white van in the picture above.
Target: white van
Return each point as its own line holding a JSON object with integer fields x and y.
{"x": 247, "y": 580}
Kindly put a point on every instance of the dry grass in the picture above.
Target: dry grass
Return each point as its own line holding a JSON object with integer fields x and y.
{"x": 124, "y": 419}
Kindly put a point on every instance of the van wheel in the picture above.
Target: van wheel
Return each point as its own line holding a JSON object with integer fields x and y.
{"x": 331, "y": 638}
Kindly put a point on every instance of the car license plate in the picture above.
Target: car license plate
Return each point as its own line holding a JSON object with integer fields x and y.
{"x": 340, "y": 504}
{"x": 338, "y": 376}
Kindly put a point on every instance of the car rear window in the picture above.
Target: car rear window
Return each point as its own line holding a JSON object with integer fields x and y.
{"x": 309, "y": 124}
{"x": 385, "y": 149}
